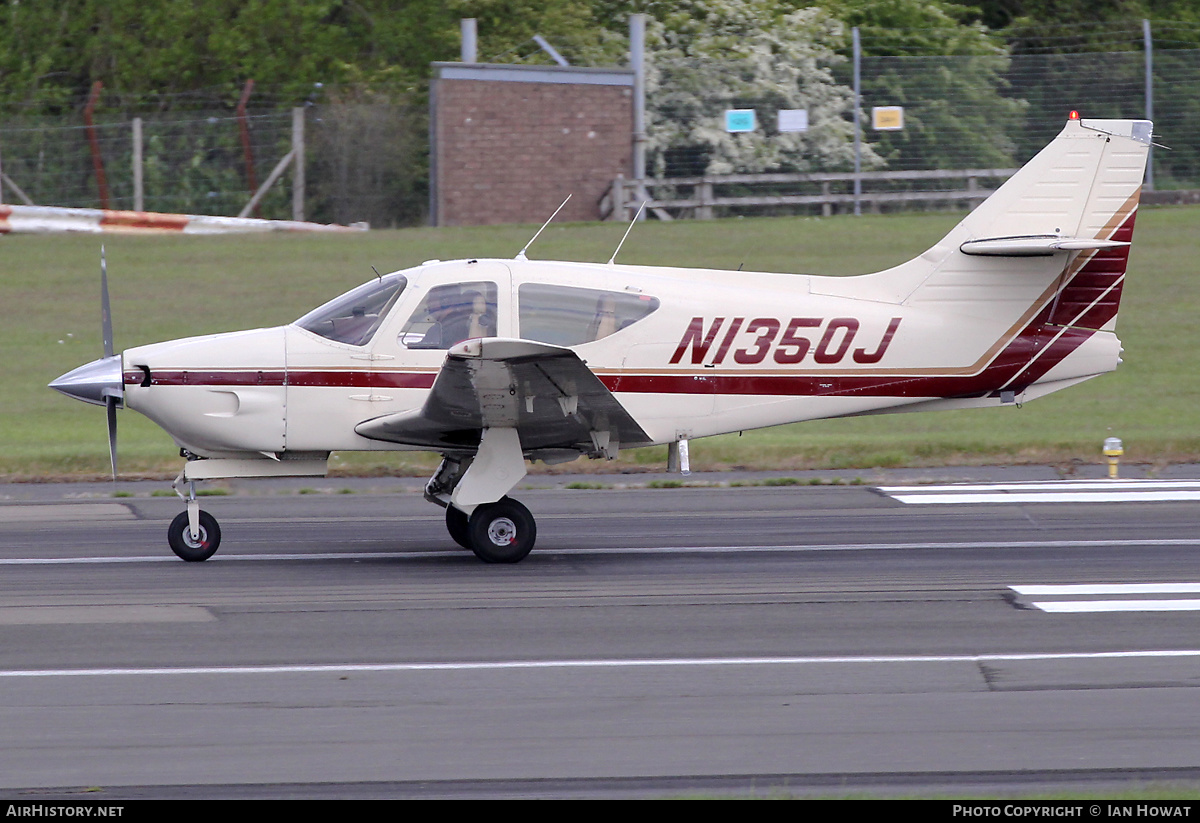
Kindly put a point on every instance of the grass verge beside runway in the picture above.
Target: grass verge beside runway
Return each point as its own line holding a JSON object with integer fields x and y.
{"x": 167, "y": 287}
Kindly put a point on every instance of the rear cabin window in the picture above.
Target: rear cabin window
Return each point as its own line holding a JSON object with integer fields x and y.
{"x": 566, "y": 316}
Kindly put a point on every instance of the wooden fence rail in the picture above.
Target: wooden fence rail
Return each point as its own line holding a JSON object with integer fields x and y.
{"x": 701, "y": 197}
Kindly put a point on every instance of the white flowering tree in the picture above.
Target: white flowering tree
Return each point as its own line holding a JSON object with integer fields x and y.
{"x": 707, "y": 56}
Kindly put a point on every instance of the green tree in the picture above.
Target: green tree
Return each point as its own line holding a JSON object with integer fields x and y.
{"x": 706, "y": 56}
{"x": 51, "y": 53}
{"x": 1088, "y": 56}
{"x": 1101, "y": 25}
{"x": 949, "y": 75}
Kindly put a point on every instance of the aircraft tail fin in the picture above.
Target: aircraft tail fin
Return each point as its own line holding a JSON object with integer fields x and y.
{"x": 1054, "y": 238}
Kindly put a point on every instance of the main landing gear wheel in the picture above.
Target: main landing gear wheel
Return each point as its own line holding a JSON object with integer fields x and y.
{"x": 457, "y": 525}
{"x": 501, "y": 532}
{"x": 180, "y": 537}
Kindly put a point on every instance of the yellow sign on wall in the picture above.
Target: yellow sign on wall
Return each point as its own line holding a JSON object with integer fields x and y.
{"x": 887, "y": 118}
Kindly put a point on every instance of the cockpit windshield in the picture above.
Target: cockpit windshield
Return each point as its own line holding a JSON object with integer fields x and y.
{"x": 354, "y": 317}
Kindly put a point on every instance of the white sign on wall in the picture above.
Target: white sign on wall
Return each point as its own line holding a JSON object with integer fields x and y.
{"x": 791, "y": 120}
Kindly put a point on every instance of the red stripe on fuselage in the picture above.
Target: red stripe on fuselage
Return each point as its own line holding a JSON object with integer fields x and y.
{"x": 322, "y": 379}
{"x": 360, "y": 379}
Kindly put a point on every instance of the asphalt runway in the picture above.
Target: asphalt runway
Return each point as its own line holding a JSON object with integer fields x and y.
{"x": 754, "y": 640}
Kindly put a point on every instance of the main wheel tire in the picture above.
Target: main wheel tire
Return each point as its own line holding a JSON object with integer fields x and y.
{"x": 457, "y": 523}
{"x": 179, "y": 535}
{"x": 501, "y": 532}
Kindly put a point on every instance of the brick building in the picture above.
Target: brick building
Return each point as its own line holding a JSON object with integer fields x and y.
{"x": 509, "y": 143}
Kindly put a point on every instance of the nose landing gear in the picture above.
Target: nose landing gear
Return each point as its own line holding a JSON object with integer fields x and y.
{"x": 193, "y": 535}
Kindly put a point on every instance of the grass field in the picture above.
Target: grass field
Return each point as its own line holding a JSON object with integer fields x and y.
{"x": 169, "y": 287}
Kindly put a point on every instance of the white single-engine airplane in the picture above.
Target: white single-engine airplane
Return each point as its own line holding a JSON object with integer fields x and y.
{"x": 495, "y": 362}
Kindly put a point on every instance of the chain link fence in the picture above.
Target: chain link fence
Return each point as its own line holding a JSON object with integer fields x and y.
{"x": 367, "y": 158}
{"x": 365, "y": 161}
{"x": 192, "y": 164}
{"x": 959, "y": 112}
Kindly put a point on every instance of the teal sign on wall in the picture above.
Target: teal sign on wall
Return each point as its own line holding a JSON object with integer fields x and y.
{"x": 739, "y": 120}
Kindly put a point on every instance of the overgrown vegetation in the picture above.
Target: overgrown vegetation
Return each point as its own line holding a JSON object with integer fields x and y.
{"x": 980, "y": 82}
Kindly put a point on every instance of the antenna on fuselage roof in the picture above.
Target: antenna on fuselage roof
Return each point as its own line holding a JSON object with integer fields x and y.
{"x": 627, "y": 231}
{"x": 521, "y": 253}
{"x": 377, "y": 274}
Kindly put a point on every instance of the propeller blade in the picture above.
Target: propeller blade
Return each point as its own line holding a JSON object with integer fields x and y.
{"x": 110, "y": 404}
{"x": 105, "y": 310}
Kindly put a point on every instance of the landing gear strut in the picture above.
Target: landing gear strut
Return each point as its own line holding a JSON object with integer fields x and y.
{"x": 496, "y": 530}
{"x": 194, "y": 535}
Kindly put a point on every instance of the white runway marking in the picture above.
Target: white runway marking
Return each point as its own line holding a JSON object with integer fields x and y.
{"x": 598, "y": 664}
{"x": 1110, "y": 588}
{"x": 1080, "y": 606}
{"x": 1110, "y": 597}
{"x": 1060, "y": 491}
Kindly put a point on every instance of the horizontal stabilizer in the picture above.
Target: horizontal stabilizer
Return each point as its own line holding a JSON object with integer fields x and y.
{"x": 1038, "y": 245}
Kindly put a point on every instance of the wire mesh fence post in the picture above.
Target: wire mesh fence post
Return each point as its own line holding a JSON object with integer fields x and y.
{"x": 94, "y": 143}
{"x": 857, "y": 121}
{"x": 637, "y": 60}
{"x": 247, "y": 146}
{"x": 298, "y": 181}
{"x": 139, "y": 192}
{"x": 1149, "y": 49}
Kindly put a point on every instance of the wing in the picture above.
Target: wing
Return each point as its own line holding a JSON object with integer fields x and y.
{"x": 545, "y": 392}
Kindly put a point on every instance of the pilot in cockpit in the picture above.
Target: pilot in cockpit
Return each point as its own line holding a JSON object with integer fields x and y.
{"x": 456, "y": 317}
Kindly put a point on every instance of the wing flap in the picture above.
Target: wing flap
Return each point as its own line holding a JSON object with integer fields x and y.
{"x": 547, "y": 393}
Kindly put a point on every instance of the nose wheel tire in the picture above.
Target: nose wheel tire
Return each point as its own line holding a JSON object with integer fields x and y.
{"x": 180, "y": 537}
{"x": 501, "y": 532}
{"x": 457, "y": 525}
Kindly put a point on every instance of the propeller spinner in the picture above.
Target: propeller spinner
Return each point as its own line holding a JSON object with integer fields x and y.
{"x": 101, "y": 381}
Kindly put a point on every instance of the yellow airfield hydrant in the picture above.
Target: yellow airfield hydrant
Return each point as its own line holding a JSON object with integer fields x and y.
{"x": 1113, "y": 451}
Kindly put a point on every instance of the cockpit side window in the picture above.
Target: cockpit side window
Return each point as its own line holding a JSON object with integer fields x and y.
{"x": 566, "y": 316}
{"x": 354, "y": 317}
{"x": 451, "y": 314}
